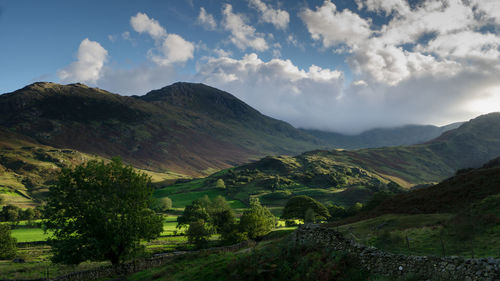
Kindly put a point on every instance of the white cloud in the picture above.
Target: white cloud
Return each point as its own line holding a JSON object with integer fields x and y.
{"x": 143, "y": 24}
{"x": 242, "y": 35}
{"x": 173, "y": 49}
{"x": 433, "y": 16}
{"x": 335, "y": 27}
{"x": 206, "y": 20}
{"x": 170, "y": 48}
{"x": 384, "y": 6}
{"x": 465, "y": 45}
{"x": 279, "y": 18}
{"x": 491, "y": 8}
{"x": 88, "y": 68}
{"x": 276, "y": 87}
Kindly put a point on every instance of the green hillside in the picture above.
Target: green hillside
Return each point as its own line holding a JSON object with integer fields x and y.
{"x": 346, "y": 177}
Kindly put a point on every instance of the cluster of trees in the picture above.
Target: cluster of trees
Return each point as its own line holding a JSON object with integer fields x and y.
{"x": 206, "y": 217}
{"x": 15, "y": 214}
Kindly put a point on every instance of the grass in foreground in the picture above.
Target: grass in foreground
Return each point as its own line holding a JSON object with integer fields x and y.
{"x": 269, "y": 260}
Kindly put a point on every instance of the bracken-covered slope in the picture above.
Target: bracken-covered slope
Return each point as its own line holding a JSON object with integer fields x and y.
{"x": 186, "y": 128}
{"x": 451, "y": 195}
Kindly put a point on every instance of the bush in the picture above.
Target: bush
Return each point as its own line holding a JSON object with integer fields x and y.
{"x": 220, "y": 184}
{"x": 162, "y": 204}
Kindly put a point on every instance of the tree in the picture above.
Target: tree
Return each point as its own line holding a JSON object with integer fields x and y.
{"x": 198, "y": 210}
{"x": 256, "y": 221}
{"x": 220, "y": 184}
{"x": 162, "y": 204}
{"x": 10, "y": 213}
{"x": 28, "y": 214}
{"x": 2, "y": 200}
{"x": 297, "y": 206}
{"x": 7, "y": 243}
{"x": 206, "y": 217}
{"x": 100, "y": 211}
{"x": 199, "y": 232}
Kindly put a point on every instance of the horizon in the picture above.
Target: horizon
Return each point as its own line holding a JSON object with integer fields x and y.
{"x": 344, "y": 66}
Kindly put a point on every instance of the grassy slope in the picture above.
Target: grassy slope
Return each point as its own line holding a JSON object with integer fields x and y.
{"x": 438, "y": 216}
{"x": 28, "y": 168}
{"x": 345, "y": 177}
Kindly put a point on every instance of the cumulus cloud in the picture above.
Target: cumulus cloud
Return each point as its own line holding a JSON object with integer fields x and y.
{"x": 206, "y": 20}
{"x": 88, "y": 67}
{"x": 278, "y": 18}
{"x": 170, "y": 48}
{"x": 242, "y": 35}
{"x": 173, "y": 49}
{"x": 143, "y": 24}
{"x": 335, "y": 27}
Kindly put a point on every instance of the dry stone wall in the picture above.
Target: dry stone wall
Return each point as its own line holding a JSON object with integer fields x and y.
{"x": 377, "y": 261}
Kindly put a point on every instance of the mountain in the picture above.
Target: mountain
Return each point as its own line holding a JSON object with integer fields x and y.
{"x": 345, "y": 177}
{"x": 186, "y": 128}
{"x": 381, "y": 137}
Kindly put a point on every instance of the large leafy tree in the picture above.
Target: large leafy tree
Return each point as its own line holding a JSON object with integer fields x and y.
{"x": 100, "y": 211}
{"x": 297, "y": 207}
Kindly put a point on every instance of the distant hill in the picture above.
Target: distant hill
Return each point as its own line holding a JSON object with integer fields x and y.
{"x": 405, "y": 135}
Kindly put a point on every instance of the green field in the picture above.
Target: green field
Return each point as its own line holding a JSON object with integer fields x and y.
{"x": 29, "y": 234}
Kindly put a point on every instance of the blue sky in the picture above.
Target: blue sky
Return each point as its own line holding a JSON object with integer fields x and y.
{"x": 340, "y": 65}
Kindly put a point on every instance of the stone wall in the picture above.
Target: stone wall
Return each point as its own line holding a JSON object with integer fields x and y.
{"x": 377, "y": 261}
